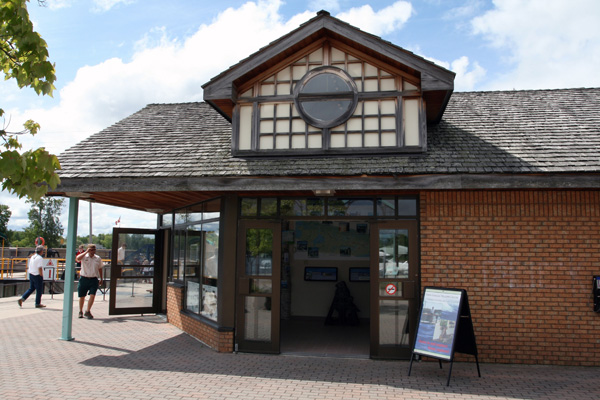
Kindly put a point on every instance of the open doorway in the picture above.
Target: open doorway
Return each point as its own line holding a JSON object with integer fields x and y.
{"x": 325, "y": 292}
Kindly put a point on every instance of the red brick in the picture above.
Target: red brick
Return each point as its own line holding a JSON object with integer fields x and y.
{"x": 526, "y": 262}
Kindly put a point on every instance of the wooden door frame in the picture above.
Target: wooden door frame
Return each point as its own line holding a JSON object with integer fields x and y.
{"x": 242, "y": 288}
{"x": 410, "y": 286}
{"x": 157, "y": 278}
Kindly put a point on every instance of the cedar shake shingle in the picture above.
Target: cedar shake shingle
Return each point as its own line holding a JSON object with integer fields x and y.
{"x": 501, "y": 132}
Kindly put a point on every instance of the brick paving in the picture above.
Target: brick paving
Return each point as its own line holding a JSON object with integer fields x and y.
{"x": 144, "y": 357}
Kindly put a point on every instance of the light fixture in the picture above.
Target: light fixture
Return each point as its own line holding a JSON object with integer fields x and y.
{"x": 324, "y": 192}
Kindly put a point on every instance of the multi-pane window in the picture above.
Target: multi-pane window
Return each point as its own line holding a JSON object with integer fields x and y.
{"x": 330, "y": 100}
{"x": 196, "y": 256}
{"x": 380, "y": 207}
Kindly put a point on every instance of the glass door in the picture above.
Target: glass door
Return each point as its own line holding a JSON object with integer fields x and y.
{"x": 394, "y": 288}
{"x": 135, "y": 271}
{"x": 258, "y": 288}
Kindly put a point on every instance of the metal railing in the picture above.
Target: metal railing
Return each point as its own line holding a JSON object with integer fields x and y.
{"x": 7, "y": 268}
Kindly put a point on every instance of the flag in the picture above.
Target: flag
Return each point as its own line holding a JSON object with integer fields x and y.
{"x": 117, "y": 222}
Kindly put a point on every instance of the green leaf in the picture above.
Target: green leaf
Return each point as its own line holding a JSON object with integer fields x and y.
{"x": 24, "y": 57}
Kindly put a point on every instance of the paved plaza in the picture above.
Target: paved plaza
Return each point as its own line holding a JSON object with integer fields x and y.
{"x": 144, "y": 357}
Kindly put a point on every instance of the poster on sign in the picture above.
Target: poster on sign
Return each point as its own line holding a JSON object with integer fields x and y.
{"x": 438, "y": 321}
{"x": 49, "y": 269}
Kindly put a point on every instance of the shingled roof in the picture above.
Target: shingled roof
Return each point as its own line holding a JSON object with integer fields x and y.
{"x": 503, "y": 132}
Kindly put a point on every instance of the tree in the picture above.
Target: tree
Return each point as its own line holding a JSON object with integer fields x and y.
{"x": 5, "y": 214}
{"x": 24, "y": 57}
{"x": 18, "y": 239}
{"x": 44, "y": 221}
{"x": 102, "y": 240}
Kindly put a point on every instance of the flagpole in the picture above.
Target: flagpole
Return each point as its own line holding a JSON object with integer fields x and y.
{"x": 90, "y": 223}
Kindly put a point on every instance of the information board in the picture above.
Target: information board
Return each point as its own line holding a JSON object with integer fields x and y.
{"x": 445, "y": 327}
{"x": 320, "y": 274}
{"x": 437, "y": 323}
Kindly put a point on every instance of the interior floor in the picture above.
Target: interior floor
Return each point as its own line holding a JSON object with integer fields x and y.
{"x": 310, "y": 336}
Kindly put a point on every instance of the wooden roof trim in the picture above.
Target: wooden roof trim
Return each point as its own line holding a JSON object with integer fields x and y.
{"x": 390, "y": 182}
{"x": 413, "y": 78}
{"x": 280, "y": 65}
{"x": 223, "y": 83}
{"x": 243, "y": 87}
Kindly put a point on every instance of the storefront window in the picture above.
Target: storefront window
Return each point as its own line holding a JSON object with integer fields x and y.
{"x": 178, "y": 255}
{"x": 210, "y": 263}
{"x": 302, "y": 207}
{"x": 249, "y": 207}
{"x": 192, "y": 267}
{"x": 350, "y": 207}
{"x": 196, "y": 256}
{"x": 166, "y": 220}
{"x": 407, "y": 207}
{"x": 268, "y": 207}
{"x": 386, "y": 207}
{"x": 181, "y": 218}
{"x": 389, "y": 207}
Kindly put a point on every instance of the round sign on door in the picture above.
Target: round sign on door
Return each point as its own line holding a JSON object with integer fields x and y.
{"x": 387, "y": 289}
{"x": 391, "y": 289}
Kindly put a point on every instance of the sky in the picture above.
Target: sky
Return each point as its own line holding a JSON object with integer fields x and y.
{"x": 113, "y": 57}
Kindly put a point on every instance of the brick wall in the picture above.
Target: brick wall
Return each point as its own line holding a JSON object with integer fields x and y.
{"x": 212, "y": 337}
{"x": 526, "y": 259}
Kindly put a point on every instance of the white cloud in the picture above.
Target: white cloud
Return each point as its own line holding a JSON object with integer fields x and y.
{"x": 466, "y": 79}
{"x": 57, "y": 4}
{"x": 103, "y": 217}
{"x": 550, "y": 43}
{"x": 105, "y": 5}
{"x": 468, "y": 74}
{"x": 19, "y": 209}
{"x": 378, "y": 23}
{"x": 164, "y": 70}
{"x": 161, "y": 70}
{"x": 465, "y": 10}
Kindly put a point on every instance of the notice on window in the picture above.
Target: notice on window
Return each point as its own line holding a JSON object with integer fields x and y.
{"x": 437, "y": 323}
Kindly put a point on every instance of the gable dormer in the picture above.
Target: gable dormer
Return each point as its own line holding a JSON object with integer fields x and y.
{"x": 329, "y": 88}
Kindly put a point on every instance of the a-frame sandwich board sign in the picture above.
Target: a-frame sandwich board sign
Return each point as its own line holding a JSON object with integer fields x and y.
{"x": 445, "y": 327}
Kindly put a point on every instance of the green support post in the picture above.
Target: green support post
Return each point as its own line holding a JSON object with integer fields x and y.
{"x": 70, "y": 269}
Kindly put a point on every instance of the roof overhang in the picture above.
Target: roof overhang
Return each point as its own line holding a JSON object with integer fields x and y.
{"x": 160, "y": 196}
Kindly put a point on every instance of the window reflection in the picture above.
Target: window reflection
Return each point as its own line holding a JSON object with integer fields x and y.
{"x": 393, "y": 323}
{"x": 196, "y": 257}
{"x": 257, "y": 324}
{"x": 393, "y": 253}
{"x": 259, "y": 252}
{"x": 350, "y": 207}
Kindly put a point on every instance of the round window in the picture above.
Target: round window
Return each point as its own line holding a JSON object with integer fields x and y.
{"x": 326, "y": 97}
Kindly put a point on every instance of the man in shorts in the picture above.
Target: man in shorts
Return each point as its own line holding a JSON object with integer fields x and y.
{"x": 90, "y": 278}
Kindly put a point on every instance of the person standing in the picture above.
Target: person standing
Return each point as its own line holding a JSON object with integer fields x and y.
{"x": 90, "y": 279}
{"x": 121, "y": 252}
{"x": 35, "y": 268}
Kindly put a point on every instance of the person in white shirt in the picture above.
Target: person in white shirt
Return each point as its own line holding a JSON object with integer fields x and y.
{"x": 90, "y": 279}
{"x": 121, "y": 253}
{"x": 35, "y": 268}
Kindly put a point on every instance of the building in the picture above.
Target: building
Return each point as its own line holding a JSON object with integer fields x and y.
{"x": 332, "y": 155}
